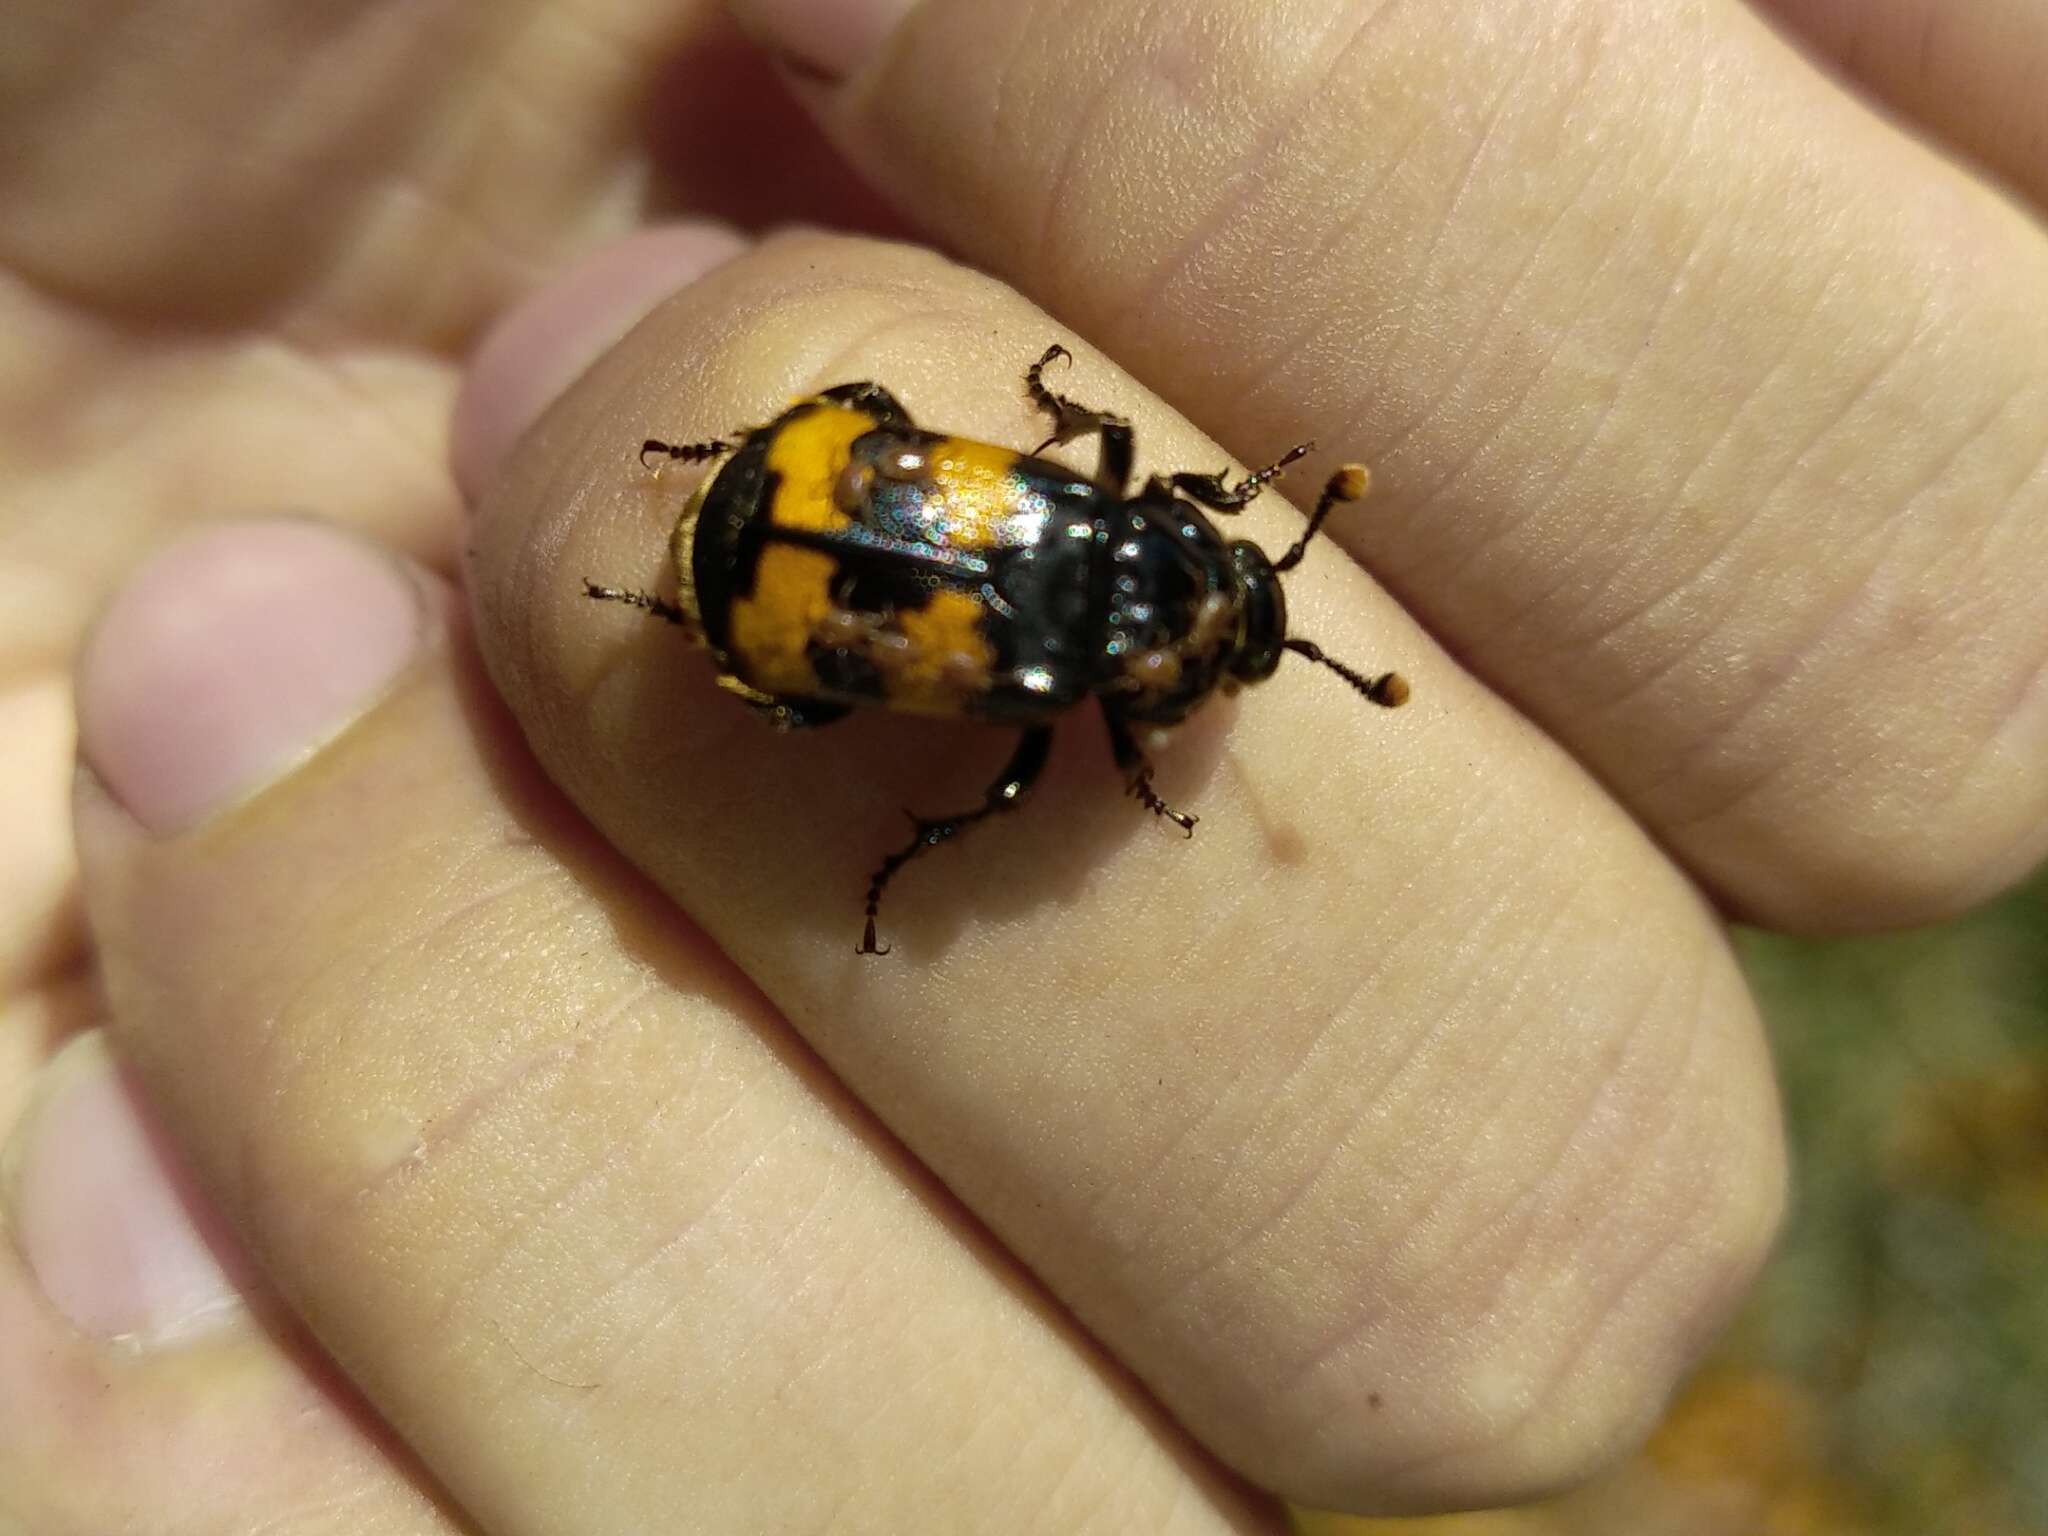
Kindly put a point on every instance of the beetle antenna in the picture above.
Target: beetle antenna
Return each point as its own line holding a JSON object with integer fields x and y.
{"x": 1389, "y": 690}
{"x": 1349, "y": 483}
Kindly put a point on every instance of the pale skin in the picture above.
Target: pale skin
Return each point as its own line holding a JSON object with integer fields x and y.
{"x": 1396, "y": 1143}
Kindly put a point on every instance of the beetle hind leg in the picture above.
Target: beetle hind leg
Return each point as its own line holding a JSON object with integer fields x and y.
{"x": 1005, "y": 794}
{"x": 1137, "y": 771}
{"x": 793, "y": 714}
{"x": 784, "y": 711}
{"x": 1071, "y": 420}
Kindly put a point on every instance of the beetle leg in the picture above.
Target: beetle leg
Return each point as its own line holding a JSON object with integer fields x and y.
{"x": 1137, "y": 771}
{"x": 873, "y": 399}
{"x": 1213, "y": 493}
{"x": 684, "y": 453}
{"x": 659, "y": 607}
{"x": 1071, "y": 420}
{"x": 784, "y": 711}
{"x": 1347, "y": 483}
{"x": 796, "y": 714}
{"x": 1005, "y": 794}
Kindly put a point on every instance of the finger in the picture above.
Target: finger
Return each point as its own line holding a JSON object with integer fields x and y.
{"x": 144, "y": 1370}
{"x": 1968, "y": 74}
{"x": 1709, "y": 413}
{"x": 39, "y": 929}
{"x": 1354, "y": 1126}
{"x": 548, "y": 1179}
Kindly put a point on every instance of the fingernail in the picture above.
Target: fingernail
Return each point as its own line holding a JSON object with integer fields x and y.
{"x": 831, "y": 38}
{"x": 540, "y": 348}
{"x": 232, "y": 656}
{"x": 110, "y": 1225}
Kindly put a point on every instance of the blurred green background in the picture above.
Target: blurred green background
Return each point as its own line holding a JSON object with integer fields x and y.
{"x": 1890, "y": 1374}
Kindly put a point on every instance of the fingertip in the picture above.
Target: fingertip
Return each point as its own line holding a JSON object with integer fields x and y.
{"x": 109, "y": 1222}
{"x": 231, "y": 656}
{"x": 538, "y": 349}
{"x": 827, "y": 38}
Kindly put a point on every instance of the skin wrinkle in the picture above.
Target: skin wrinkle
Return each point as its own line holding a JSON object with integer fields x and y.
{"x": 981, "y": 1410}
{"x": 654, "y": 1324}
{"x": 1086, "y": 992}
{"x": 618, "y": 55}
{"x": 1704, "y": 564}
{"x": 1193, "y": 1132}
{"x": 1368, "y": 207}
{"x": 1001, "y": 99}
{"x": 1677, "y": 656}
{"x": 1495, "y": 111}
{"x": 1244, "y": 187}
{"x": 1479, "y": 1117}
{"x": 423, "y": 457}
{"x": 1601, "y": 1316}
{"x": 1923, "y": 52}
{"x": 387, "y": 202}
{"x": 833, "y": 1340}
{"x": 1119, "y": 1520}
{"x": 1934, "y": 479}
{"x": 69, "y": 566}
{"x": 1344, "y": 232}
{"x": 1640, "y": 611}
{"x": 390, "y": 201}
{"x": 989, "y": 1420}
{"x": 451, "y": 1126}
{"x": 1054, "y": 220}
{"x": 559, "y": 1196}
{"x": 1513, "y": 1221}
{"x": 1752, "y": 399}
{"x": 626, "y": 59}
{"x": 2038, "y": 471}
{"x": 1343, "y": 1012}
{"x": 231, "y": 146}
{"x": 1679, "y": 1235}
{"x": 1799, "y": 659}
{"x": 271, "y": 1038}
{"x": 1284, "y": 1105}
{"x": 1561, "y": 481}
{"x": 1904, "y": 348}
{"x": 1072, "y": 1461}
{"x": 463, "y": 1298}
{"x": 2019, "y": 711}
{"x": 1343, "y": 1016}
{"x": 1510, "y": 410}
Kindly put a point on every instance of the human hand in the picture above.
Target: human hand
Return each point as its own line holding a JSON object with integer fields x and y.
{"x": 1495, "y": 1009}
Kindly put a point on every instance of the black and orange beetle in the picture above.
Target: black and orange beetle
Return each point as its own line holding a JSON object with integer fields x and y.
{"x": 843, "y": 556}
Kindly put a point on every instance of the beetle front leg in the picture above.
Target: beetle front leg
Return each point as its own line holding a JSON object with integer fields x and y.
{"x": 1005, "y": 794}
{"x": 659, "y": 607}
{"x": 873, "y": 399}
{"x": 684, "y": 453}
{"x": 1212, "y": 491}
{"x": 1071, "y": 420}
{"x": 1137, "y": 770}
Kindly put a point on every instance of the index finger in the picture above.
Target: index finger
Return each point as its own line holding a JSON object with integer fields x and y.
{"x": 1405, "y": 1132}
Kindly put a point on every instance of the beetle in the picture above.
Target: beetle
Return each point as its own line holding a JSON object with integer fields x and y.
{"x": 843, "y": 556}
